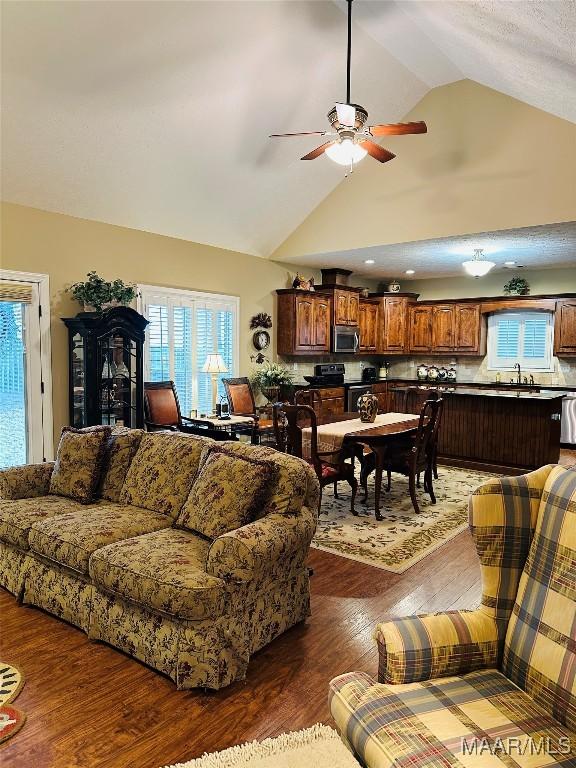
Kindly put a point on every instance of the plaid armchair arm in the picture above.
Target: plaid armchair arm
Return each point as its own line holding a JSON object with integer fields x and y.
{"x": 426, "y": 647}
{"x": 26, "y": 481}
{"x": 275, "y": 544}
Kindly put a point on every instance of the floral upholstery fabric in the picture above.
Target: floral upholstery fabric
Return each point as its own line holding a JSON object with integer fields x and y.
{"x": 274, "y": 546}
{"x": 540, "y": 648}
{"x": 162, "y": 471}
{"x": 78, "y": 465}
{"x": 13, "y": 565}
{"x": 228, "y": 491}
{"x": 438, "y": 724}
{"x": 25, "y": 481}
{"x": 120, "y": 449}
{"x": 17, "y": 517}
{"x": 61, "y": 592}
{"x": 71, "y": 538}
{"x": 164, "y": 570}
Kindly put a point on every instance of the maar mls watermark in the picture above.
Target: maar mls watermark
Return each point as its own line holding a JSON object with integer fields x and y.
{"x": 517, "y": 745}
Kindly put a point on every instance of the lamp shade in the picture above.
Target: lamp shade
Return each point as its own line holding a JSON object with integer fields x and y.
{"x": 214, "y": 364}
{"x": 345, "y": 152}
{"x": 477, "y": 267}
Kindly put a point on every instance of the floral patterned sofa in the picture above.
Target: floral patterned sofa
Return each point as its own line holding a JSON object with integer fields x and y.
{"x": 130, "y": 569}
{"x": 490, "y": 687}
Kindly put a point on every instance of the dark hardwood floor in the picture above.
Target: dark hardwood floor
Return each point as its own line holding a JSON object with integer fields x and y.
{"x": 89, "y": 706}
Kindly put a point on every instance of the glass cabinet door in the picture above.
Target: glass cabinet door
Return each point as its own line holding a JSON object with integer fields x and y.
{"x": 78, "y": 380}
{"x": 117, "y": 366}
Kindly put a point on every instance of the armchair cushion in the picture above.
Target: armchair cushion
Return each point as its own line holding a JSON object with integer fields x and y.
{"x": 540, "y": 648}
{"x": 120, "y": 449}
{"x": 426, "y": 647}
{"x": 228, "y": 491}
{"x": 19, "y": 515}
{"x": 273, "y": 547}
{"x": 453, "y": 721}
{"x": 164, "y": 570}
{"x": 162, "y": 471}
{"x": 26, "y": 481}
{"x": 72, "y": 537}
{"x": 79, "y": 463}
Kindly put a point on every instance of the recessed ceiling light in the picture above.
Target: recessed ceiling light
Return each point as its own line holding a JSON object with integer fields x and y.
{"x": 509, "y": 263}
{"x": 409, "y": 271}
{"x": 369, "y": 261}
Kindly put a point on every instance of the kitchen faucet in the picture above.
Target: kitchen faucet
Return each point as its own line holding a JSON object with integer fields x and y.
{"x": 519, "y": 377}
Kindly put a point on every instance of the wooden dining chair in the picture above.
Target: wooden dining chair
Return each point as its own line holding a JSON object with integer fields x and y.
{"x": 310, "y": 397}
{"x": 162, "y": 412}
{"x": 242, "y": 403}
{"x": 411, "y": 456}
{"x": 330, "y": 466}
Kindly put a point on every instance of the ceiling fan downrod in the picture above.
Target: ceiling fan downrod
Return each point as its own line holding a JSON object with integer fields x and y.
{"x": 349, "y": 53}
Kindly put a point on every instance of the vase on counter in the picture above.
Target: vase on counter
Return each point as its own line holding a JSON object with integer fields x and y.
{"x": 422, "y": 373}
{"x": 433, "y": 373}
{"x": 368, "y": 407}
{"x": 451, "y": 374}
{"x": 442, "y": 374}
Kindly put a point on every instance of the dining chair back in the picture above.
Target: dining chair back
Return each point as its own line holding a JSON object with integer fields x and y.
{"x": 240, "y": 396}
{"x": 161, "y": 405}
{"x": 310, "y": 397}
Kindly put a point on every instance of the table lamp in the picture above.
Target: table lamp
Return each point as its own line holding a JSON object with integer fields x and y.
{"x": 214, "y": 365}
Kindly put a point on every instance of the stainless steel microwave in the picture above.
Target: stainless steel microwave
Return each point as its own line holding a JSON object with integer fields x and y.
{"x": 345, "y": 338}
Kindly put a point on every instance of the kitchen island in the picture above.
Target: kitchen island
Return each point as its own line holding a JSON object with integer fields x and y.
{"x": 499, "y": 430}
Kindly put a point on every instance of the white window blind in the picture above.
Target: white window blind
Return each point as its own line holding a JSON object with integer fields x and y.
{"x": 520, "y": 337}
{"x": 185, "y": 327}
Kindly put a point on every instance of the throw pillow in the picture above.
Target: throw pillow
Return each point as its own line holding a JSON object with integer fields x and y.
{"x": 227, "y": 493}
{"x": 120, "y": 449}
{"x": 79, "y": 463}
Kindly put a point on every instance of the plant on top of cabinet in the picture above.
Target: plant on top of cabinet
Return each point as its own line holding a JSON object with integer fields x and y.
{"x": 517, "y": 286}
{"x": 102, "y": 294}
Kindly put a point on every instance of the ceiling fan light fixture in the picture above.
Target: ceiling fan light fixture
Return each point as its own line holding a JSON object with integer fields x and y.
{"x": 478, "y": 266}
{"x": 346, "y": 152}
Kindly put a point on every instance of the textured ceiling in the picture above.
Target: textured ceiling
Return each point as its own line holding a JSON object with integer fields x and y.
{"x": 155, "y": 115}
{"x": 552, "y": 245}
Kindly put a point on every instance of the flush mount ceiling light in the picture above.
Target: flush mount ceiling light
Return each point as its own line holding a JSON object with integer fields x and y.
{"x": 350, "y": 138}
{"x": 478, "y": 266}
{"x": 409, "y": 271}
{"x": 369, "y": 261}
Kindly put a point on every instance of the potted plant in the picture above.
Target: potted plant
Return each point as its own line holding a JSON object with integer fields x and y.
{"x": 517, "y": 286}
{"x": 270, "y": 378}
{"x": 99, "y": 294}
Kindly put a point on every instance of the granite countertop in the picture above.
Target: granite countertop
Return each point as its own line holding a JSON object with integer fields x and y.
{"x": 507, "y": 394}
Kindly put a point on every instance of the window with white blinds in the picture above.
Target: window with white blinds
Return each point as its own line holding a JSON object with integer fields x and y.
{"x": 185, "y": 327}
{"x": 520, "y": 337}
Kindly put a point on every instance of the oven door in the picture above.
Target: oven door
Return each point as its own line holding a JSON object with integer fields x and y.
{"x": 346, "y": 339}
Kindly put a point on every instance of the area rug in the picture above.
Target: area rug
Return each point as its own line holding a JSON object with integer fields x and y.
{"x": 315, "y": 747}
{"x": 403, "y": 537}
{"x": 11, "y": 719}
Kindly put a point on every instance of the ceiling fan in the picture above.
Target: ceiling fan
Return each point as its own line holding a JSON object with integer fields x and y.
{"x": 352, "y": 137}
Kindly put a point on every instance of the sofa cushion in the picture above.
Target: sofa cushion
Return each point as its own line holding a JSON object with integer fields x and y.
{"x": 162, "y": 471}
{"x": 540, "y": 646}
{"x": 78, "y": 465}
{"x": 120, "y": 449}
{"x": 71, "y": 538}
{"x": 227, "y": 492}
{"x": 18, "y": 516}
{"x": 451, "y": 721}
{"x": 164, "y": 571}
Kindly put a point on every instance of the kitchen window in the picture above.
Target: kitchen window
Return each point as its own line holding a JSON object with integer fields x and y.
{"x": 520, "y": 337}
{"x": 185, "y": 327}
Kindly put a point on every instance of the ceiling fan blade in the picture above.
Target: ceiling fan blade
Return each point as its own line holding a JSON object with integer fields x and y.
{"x": 304, "y": 133}
{"x": 377, "y": 152}
{"x": 316, "y": 152}
{"x": 398, "y": 129}
{"x": 346, "y": 114}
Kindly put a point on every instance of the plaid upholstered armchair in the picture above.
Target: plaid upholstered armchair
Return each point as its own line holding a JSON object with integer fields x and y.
{"x": 490, "y": 687}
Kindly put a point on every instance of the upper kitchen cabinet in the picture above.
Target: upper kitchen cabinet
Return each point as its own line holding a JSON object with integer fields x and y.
{"x": 565, "y": 328}
{"x": 304, "y": 320}
{"x": 469, "y": 329}
{"x": 368, "y": 317}
{"x": 447, "y": 327}
{"x": 346, "y": 306}
{"x": 420, "y": 328}
{"x": 394, "y": 309}
{"x": 443, "y": 328}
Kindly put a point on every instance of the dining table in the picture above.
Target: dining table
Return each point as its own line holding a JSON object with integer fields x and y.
{"x": 347, "y": 430}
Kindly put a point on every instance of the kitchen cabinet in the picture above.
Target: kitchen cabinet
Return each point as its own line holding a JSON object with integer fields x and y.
{"x": 333, "y": 402}
{"x": 303, "y": 322}
{"x": 368, "y": 315}
{"x": 565, "y": 328}
{"x": 384, "y": 397}
{"x": 468, "y": 329}
{"x": 420, "y": 328}
{"x": 443, "y": 328}
{"x": 393, "y": 329}
{"x": 346, "y": 306}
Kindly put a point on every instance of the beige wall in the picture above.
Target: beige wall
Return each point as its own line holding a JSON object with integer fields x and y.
{"x": 488, "y": 162}
{"x": 541, "y": 281}
{"x": 66, "y": 248}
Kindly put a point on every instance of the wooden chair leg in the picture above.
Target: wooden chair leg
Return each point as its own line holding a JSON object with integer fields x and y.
{"x": 365, "y": 469}
{"x": 353, "y": 483}
{"x": 428, "y": 480}
{"x": 336, "y": 489}
{"x": 418, "y": 480}
{"x": 389, "y": 480}
{"x": 412, "y": 487}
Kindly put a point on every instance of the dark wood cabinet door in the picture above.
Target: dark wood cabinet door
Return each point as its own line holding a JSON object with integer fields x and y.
{"x": 321, "y": 324}
{"x": 565, "y": 328}
{"x": 305, "y": 322}
{"x": 353, "y": 308}
{"x": 467, "y": 324}
{"x": 420, "y": 333}
{"x": 333, "y": 406}
{"x": 368, "y": 325}
{"x": 443, "y": 328}
{"x": 395, "y": 325}
{"x": 341, "y": 307}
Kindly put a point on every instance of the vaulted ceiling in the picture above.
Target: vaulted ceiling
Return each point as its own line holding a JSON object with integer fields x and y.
{"x": 155, "y": 115}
